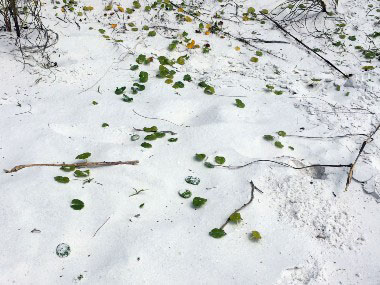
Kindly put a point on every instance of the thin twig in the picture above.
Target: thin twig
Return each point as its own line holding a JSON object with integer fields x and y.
{"x": 253, "y": 188}
{"x": 329, "y": 137}
{"x": 80, "y": 164}
{"x": 351, "y": 171}
{"x": 101, "y": 227}
{"x": 304, "y": 45}
{"x": 159, "y": 119}
{"x": 137, "y": 192}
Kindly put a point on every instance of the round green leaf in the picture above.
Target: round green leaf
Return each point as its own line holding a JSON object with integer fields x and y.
{"x": 62, "y": 179}
{"x": 77, "y": 204}
{"x": 199, "y": 202}
{"x": 217, "y": 233}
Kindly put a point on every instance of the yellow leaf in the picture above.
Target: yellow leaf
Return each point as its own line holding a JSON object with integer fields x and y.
{"x": 208, "y": 26}
{"x": 188, "y": 19}
{"x": 245, "y": 18}
{"x": 63, "y": 10}
{"x": 180, "y": 9}
{"x": 113, "y": 26}
{"x": 207, "y": 33}
{"x": 191, "y": 45}
{"x": 237, "y": 48}
{"x": 121, "y": 9}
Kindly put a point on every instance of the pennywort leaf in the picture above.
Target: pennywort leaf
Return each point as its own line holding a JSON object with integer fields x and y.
{"x": 199, "y": 202}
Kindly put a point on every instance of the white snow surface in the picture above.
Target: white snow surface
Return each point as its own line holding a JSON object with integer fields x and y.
{"x": 313, "y": 232}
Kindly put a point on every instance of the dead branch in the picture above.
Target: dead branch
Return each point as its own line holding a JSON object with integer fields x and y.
{"x": 304, "y": 45}
{"x": 101, "y": 226}
{"x": 166, "y": 132}
{"x": 253, "y": 188}
{"x": 80, "y": 164}
{"x": 351, "y": 171}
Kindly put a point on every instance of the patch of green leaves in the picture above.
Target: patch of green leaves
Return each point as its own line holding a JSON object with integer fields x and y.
{"x": 146, "y": 145}
{"x": 120, "y": 90}
{"x": 239, "y": 103}
{"x": 186, "y": 194}
{"x": 143, "y": 76}
{"x": 192, "y": 180}
{"x": 220, "y": 160}
{"x": 281, "y": 133}
{"x": 278, "y": 144}
{"x": 79, "y": 173}
{"x": 67, "y": 168}
{"x": 268, "y": 137}
{"x": 178, "y": 84}
{"x": 199, "y": 156}
{"x": 187, "y": 78}
{"x": 255, "y": 235}
{"x": 152, "y": 129}
{"x": 235, "y": 218}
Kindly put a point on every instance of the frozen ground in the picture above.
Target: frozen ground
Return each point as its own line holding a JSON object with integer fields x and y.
{"x": 313, "y": 232}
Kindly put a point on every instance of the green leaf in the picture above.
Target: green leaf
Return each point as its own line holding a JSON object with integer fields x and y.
{"x": 268, "y": 138}
{"x": 209, "y": 90}
{"x": 220, "y": 159}
{"x": 251, "y": 10}
{"x": 352, "y": 38}
{"x": 141, "y": 59}
{"x": 94, "y": 103}
{"x": 141, "y": 205}
{"x": 217, "y": 233}
{"x": 278, "y": 144}
{"x": 63, "y": 250}
{"x": 187, "y": 78}
{"x": 254, "y": 59}
{"x": 151, "y": 137}
{"x": 62, "y": 179}
{"x": 259, "y": 53}
{"x": 84, "y": 155}
{"x": 178, "y": 84}
{"x": 78, "y": 173}
{"x": 101, "y": 31}
{"x": 146, "y": 145}
{"x": 143, "y": 76}
{"x": 127, "y": 99}
{"x": 235, "y": 217}
{"x": 209, "y": 164}
{"x": 152, "y": 33}
{"x": 140, "y": 87}
{"x": 291, "y": 148}
{"x": 186, "y": 194}
{"x": 192, "y": 180}
{"x": 159, "y": 135}
{"x": 281, "y": 133}
{"x": 152, "y": 129}
{"x": 368, "y": 67}
{"x": 239, "y": 103}
{"x": 200, "y": 156}
{"x": 181, "y": 60}
{"x": 172, "y": 139}
{"x": 278, "y": 92}
{"x": 67, "y": 168}
{"x": 104, "y": 125}
{"x": 120, "y": 90}
{"x": 269, "y": 87}
{"x": 264, "y": 11}
{"x": 77, "y": 204}
{"x": 199, "y": 202}
{"x": 134, "y": 67}
{"x": 255, "y": 235}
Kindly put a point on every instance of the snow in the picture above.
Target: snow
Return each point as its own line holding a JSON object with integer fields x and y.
{"x": 313, "y": 232}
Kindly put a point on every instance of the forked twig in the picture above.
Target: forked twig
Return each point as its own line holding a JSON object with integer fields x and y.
{"x": 253, "y": 188}
{"x": 80, "y": 164}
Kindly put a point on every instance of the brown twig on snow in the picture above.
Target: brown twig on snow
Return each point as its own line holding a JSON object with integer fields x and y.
{"x": 166, "y": 132}
{"x": 253, "y": 188}
{"x": 101, "y": 226}
{"x": 145, "y": 117}
{"x": 80, "y": 164}
{"x": 351, "y": 171}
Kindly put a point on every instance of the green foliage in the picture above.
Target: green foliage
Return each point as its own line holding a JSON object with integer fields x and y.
{"x": 269, "y": 87}
{"x": 84, "y": 155}
{"x": 104, "y": 125}
{"x": 120, "y": 90}
{"x": 127, "y": 99}
{"x": 209, "y": 164}
{"x": 165, "y": 61}
{"x": 135, "y": 137}
{"x": 268, "y": 137}
{"x": 143, "y": 76}
{"x": 208, "y": 89}
{"x": 94, "y": 103}
{"x": 199, "y": 202}
{"x": 67, "y": 168}
{"x": 254, "y": 59}
{"x": 265, "y": 11}
{"x": 172, "y": 139}
{"x": 200, "y": 156}
{"x": 146, "y": 145}
{"x": 368, "y": 67}
{"x": 79, "y": 173}
{"x": 186, "y": 194}
{"x": 259, "y": 53}
{"x": 62, "y": 179}
{"x": 77, "y": 204}
{"x": 281, "y": 133}
{"x": 220, "y": 160}
{"x": 239, "y": 103}
{"x": 255, "y": 235}
{"x": 178, "y": 84}
{"x": 142, "y": 59}
{"x": 192, "y": 180}
{"x": 352, "y": 38}
{"x": 217, "y": 233}
{"x": 235, "y": 217}
{"x": 187, "y": 78}
{"x": 278, "y": 144}
{"x": 151, "y": 137}
{"x": 173, "y": 45}
{"x": 152, "y": 34}
{"x": 136, "y": 4}
{"x": 278, "y": 92}
{"x": 152, "y": 129}
{"x": 134, "y": 67}
{"x": 102, "y": 31}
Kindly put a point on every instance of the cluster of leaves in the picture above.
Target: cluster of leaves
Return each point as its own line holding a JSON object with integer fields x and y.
{"x": 270, "y": 88}
{"x": 153, "y": 135}
{"x": 219, "y": 160}
{"x": 277, "y": 143}
{"x": 208, "y": 89}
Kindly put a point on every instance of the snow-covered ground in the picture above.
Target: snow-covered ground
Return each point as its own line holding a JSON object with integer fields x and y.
{"x": 313, "y": 232}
